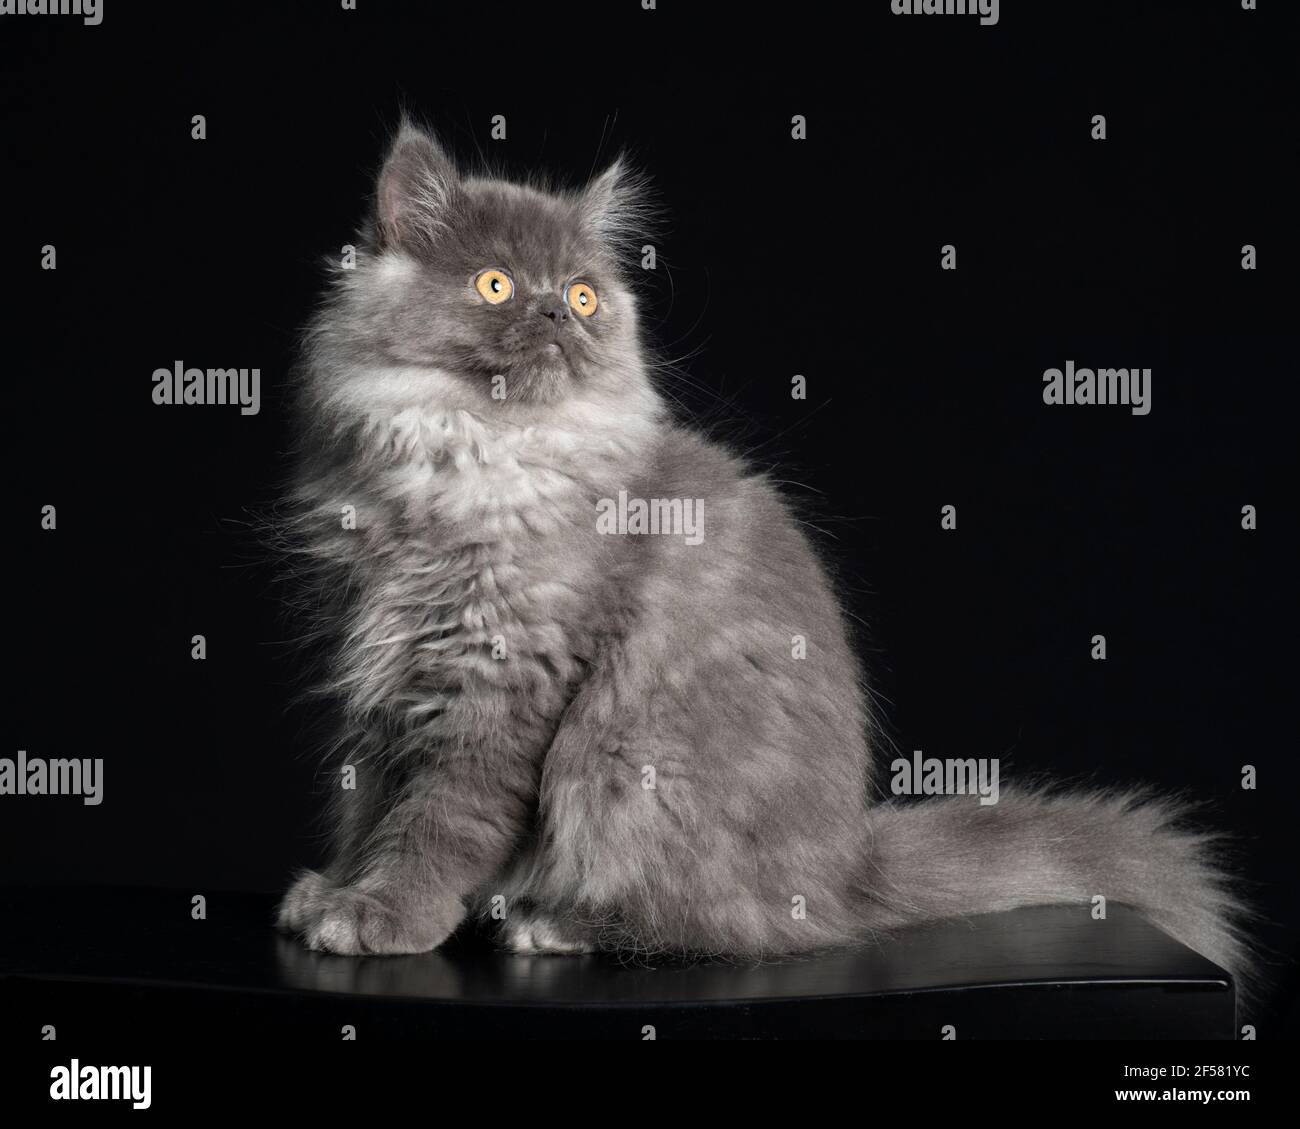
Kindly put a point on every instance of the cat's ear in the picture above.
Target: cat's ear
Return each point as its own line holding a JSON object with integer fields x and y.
{"x": 416, "y": 188}
{"x": 613, "y": 204}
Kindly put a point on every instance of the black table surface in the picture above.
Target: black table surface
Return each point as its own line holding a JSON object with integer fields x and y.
{"x": 94, "y": 959}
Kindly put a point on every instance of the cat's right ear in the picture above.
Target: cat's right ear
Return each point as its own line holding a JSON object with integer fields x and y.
{"x": 416, "y": 188}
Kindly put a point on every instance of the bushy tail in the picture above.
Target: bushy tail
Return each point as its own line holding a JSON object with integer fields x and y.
{"x": 950, "y": 856}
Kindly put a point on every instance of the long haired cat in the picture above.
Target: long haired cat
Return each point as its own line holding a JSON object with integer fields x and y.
{"x": 567, "y": 661}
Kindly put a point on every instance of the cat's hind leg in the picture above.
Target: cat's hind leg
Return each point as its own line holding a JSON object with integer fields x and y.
{"x": 705, "y": 812}
{"x": 534, "y": 931}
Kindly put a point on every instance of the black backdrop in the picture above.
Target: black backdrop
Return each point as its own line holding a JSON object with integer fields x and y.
{"x": 779, "y": 257}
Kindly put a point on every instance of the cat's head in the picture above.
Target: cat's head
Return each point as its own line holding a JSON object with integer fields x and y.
{"x": 513, "y": 291}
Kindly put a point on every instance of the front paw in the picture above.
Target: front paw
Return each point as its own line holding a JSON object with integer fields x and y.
{"x": 359, "y": 921}
{"x": 303, "y": 901}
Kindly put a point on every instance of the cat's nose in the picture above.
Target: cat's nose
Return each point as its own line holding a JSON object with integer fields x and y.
{"x": 557, "y": 314}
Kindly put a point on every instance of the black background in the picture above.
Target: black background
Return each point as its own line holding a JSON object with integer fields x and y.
{"x": 777, "y": 257}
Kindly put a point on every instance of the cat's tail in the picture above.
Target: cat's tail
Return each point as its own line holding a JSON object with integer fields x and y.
{"x": 950, "y": 856}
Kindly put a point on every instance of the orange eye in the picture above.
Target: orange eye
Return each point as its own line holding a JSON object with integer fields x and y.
{"x": 494, "y": 286}
{"x": 582, "y": 298}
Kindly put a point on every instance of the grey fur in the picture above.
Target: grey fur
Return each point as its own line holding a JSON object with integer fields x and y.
{"x": 505, "y": 674}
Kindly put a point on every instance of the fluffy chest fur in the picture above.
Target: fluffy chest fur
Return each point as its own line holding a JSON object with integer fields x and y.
{"x": 477, "y": 558}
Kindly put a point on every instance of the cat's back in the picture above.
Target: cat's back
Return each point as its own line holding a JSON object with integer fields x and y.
{"x": 750, "y": 543}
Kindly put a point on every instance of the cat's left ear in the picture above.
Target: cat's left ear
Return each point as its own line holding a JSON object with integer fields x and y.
{"x": 613, "y": 203}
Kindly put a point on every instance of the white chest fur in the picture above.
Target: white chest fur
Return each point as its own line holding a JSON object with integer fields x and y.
{"x": 483, "y": 571}
{"x": 460, "y": 469}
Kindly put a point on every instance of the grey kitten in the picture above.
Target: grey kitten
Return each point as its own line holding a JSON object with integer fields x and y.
{"x": 603, "y": 733}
